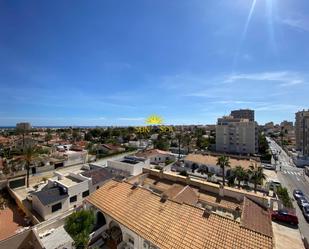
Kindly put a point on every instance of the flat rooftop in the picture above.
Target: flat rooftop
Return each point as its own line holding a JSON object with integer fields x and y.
{"x": 69, "y": 181}
{"x": 58, "y": 238}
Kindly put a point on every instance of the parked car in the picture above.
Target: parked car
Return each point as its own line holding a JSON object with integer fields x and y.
{"x": 302, "y": 201}
{"x": 285, "y": 216}
{"x": 269, "y": 166}
{"x": 305, "y": 211}
{"x": 274, "y": 184}
{"x": 297, "y": 194}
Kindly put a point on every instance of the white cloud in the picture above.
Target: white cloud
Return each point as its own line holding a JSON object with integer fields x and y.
{"x": 285, "y": 78}
{"x": 300, "y": 24}
{"x": 233, "y": 102}
{"x": 278, "y": 107}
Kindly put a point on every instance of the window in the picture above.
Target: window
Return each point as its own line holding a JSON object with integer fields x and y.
{"x": 85, "y": 193}
{"x": 130, "y": 239}
{"x": 56, "y": 207}
{"x": 98, "y": 187}
{"x": 73, "y": 198}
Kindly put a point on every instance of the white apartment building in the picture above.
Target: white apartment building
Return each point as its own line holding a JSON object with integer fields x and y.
{"x": 235, "y": 135}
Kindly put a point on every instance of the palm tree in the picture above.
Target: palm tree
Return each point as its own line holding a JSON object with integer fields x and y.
{"x": 29, "y": 155}
{"x": 223, "y": 161}
{"x": 256, "y": 175}
{"x": 239, "y": 173}
{"x": 187, "y": 141}
{"x": 179, "y": 138}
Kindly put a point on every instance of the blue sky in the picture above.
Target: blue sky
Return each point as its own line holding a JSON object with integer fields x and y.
{"x": 117, "y": 62}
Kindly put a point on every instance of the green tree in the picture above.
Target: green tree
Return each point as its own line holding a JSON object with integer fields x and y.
{"x": 79, "y": 225}
{"x": 23, "y": 131}
{"x": 76, "y": 135}
{"x": 202, "y": 143}
{"x": 179, "y": 138}
{"x": 223, "y": 162}
{"x": 48, "y": 137}
{"x": 30, "y": 152}
{"x": 256, "y": 175}
{"x": 187, "y": 141}
{"x": 284, "y": 196}
{"x": 240, "y": 174}
{"x": 64, "y": 136}
{"x": 183, "y": 173}
{"x": 161, "y": 143}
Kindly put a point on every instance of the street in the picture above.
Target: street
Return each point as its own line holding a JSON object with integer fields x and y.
{"x": 292, "y": 178}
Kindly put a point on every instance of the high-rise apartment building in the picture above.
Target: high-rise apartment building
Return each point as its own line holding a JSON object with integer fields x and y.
{"x": 24, "y": 126}
{"x": 243, "y": 114}
{"x": 302, "y": 132}
{"x": 236, "y": 135}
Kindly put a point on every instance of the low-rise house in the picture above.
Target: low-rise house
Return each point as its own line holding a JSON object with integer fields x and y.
{"x": 156, "y": 156}
{"x": 65, "y": 192}
{"x": 210, "y": 163}
{"x": 75, "y": 157}
{"x": 27, "y": 239}
{"x": 132, "y": 215}
{"x": 110, "y": 149}
{"x": 139, "y": 144}
{"x": 131, "y": 164}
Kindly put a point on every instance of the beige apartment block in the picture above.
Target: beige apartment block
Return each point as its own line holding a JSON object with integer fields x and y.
{"x": 302, "y": 132}
{"x": 234, "y": 135}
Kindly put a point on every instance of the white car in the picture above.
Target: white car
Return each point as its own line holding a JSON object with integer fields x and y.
{"x": 269, "y": 166}
{"x": 274, "y": 184}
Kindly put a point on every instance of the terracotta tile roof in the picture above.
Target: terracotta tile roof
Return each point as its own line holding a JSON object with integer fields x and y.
{"x": 212, "y": 160}
{"x": 186, "y": 195}
{"x": 171, "y": 188}
{"x": 170, "y": 224}
{"x": 226, "y": 202}
{"x": 182, "y": 194}
{"x": 256, "y": 218}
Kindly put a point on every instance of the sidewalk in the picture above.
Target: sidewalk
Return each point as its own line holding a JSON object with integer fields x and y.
{"x": 286, "y": 237}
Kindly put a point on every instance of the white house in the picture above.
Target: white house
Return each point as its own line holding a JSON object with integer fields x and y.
{"x": 156, "y": 156}
{"x": 133, "y": 165}
{"x": 65, "y": 192}
{"x": 133, "y": 217}
{"x": 60, "y": 194}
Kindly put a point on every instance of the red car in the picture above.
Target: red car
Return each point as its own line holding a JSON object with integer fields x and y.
{"x": 285, "y": 216}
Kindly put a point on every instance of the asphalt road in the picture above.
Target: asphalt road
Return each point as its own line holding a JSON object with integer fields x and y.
{"x": 292, "y": 178}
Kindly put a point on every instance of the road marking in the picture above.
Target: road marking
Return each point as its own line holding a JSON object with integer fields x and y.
{"x": 297, "y": 178}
